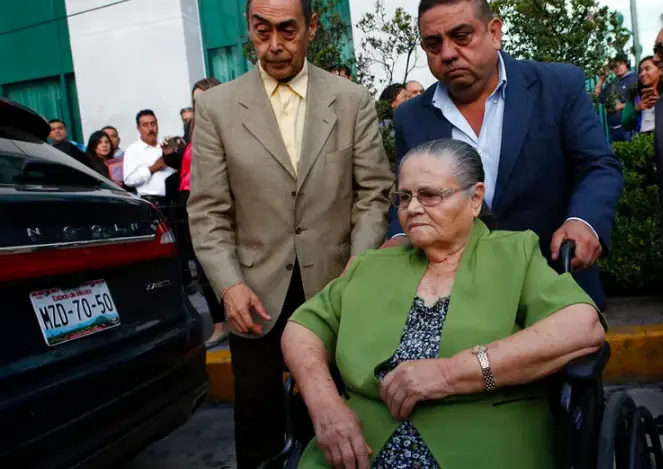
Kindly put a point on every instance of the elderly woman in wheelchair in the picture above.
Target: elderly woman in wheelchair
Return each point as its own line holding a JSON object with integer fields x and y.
{"x": 443, "y": 343}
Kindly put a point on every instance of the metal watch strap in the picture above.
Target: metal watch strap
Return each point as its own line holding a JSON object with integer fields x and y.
{"x": 480, "y": 352}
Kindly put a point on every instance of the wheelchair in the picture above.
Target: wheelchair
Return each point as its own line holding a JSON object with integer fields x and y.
{"x": 590, "y": 433}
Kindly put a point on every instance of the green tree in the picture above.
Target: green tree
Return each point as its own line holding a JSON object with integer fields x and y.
{"x": 388, "y": 41}
{"x": 635, "y": 262}
{"x": 580, "y": 32}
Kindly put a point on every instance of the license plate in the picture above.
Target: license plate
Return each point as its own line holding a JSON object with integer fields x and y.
{"x": 66, "y": 315}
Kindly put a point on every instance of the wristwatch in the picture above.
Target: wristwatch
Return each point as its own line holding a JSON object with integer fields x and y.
{"x": 480, "y": 352}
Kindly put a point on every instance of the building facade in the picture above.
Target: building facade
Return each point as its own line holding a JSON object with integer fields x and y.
{"x": 93, "y": 63}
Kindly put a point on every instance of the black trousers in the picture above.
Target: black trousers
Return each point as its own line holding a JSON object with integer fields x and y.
{"x": 258, "y": 369}
{"x": 186, "y": 252}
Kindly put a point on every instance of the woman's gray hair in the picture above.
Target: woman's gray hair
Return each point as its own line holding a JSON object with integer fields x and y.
{"x": 466, "y": 166}
{"x": 465, "y": 160}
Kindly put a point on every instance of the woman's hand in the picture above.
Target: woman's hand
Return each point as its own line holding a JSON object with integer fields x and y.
{"x": 339, "y": 436}
{"x": 648, "y": 100}
{"x": 414, "y": 381}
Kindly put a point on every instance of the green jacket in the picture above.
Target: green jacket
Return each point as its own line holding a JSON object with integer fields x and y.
{"x": 630, "y": 116}
{"x": 503, "y": 284}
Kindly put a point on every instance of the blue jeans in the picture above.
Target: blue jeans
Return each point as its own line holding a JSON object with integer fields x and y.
{"x": 620, "y": 135}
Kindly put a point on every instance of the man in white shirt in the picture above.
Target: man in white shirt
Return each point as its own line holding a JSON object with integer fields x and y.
{"x": 144, "y": 168}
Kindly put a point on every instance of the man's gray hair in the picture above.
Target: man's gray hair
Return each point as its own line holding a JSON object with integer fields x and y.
{"x": 307, "y": 9}
{"x": 465, "y": 160}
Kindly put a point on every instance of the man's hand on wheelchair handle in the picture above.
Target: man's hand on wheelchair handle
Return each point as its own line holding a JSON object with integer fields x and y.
{"x": 239, "y": 300}
{"x": 339, "y": 435}
{"x": 588, "y": 247}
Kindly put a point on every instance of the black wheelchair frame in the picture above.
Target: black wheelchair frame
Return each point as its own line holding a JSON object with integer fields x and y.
{"x": 589, "y": 433}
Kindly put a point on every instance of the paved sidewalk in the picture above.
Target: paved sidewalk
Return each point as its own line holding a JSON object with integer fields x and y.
{"x": 635, "y": 311}
{"x": 205, "y": 442}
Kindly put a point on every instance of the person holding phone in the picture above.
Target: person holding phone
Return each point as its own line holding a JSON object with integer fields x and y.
{"x": 144, "y": 167}
{"x": 639, "y": 113}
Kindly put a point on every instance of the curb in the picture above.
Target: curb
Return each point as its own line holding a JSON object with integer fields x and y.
{"x": 637, "y": 354}
{"x": 637, "y": 357}
{"x": 220, "y": 375}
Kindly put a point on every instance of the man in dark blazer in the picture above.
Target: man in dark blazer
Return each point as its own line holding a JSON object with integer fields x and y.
{"x": 658, "y": 129}
{"x": 548, "y": 165}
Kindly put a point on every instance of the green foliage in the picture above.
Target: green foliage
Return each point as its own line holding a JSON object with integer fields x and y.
{"x": 383, "y": 109}
{"x": 635, "y": 262}
{"x": 326, "y": 50}
{"x": 580, "y": 32}
{"x": 388, "y": 39}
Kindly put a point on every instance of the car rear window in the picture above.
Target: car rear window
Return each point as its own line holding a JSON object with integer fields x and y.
{"x": 18, "y": 170}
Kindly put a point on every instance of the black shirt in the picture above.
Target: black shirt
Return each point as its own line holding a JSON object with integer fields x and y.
{"x": 73, "y": 151}
{"x": 97, "y": 164}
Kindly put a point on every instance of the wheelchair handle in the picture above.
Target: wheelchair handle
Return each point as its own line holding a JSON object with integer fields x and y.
{"x": 566, "y": 253}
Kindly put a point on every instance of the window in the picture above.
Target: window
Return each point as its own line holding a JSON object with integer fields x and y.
{"x": 42, "y": 96}
{"x": 45, "y": 96}
{"x": 227, "y": 63}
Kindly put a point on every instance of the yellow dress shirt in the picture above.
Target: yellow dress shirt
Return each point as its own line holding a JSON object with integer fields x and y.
{"x": 289, "y": 104}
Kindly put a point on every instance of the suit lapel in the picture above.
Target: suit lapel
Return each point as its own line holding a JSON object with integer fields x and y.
{"x": 320, "y": 121}
{"x": 520, "y": 100}
{"x": 261, "y": 121}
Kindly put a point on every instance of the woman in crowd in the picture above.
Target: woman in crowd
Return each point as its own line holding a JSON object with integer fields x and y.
{"x": 99, "y": 150}
{"x": 639, "y": 114}
{"x": 216, "y": 309}
{"x": 443, "y": 343}
{"x": 393, "y": 95}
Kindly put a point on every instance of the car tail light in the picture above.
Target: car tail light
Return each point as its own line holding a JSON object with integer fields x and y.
{"x": 57, "y": 260}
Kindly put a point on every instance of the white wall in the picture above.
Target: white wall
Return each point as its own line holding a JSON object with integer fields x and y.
{"x": 358, "y": 8}
{"x": 132, "y": 56}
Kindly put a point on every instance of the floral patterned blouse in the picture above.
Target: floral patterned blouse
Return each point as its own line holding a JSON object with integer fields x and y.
{"x": 420, "y": 340}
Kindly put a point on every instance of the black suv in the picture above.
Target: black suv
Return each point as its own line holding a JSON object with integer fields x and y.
{"x": 101, "y": 352}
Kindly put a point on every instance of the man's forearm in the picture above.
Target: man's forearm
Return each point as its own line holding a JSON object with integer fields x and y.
{"x": 217, "y": 255}
{"x": 372, "y": 179}
{"x": 138, "y": 176}
{"x": 369, "y": 210}
{"x": 369, "y": 233}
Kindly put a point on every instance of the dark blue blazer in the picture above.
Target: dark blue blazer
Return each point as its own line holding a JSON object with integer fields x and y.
{"x": 658, "y": 148}
{"x": 555, "y": 162}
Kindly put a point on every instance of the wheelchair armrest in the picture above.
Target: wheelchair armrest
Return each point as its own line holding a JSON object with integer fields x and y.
{"x": 589, "y": 367}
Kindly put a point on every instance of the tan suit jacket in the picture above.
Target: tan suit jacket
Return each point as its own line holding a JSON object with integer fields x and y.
{"x": 251, "y": 217}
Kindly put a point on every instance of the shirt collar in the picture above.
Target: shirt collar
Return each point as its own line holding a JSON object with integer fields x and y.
{"x": 299, "y": 84}
{"x": 441, "y": 95}
{"x": 145, "y": 145}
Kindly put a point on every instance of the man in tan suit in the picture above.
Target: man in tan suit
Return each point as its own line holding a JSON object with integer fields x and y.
{"x": 289, "y": 180}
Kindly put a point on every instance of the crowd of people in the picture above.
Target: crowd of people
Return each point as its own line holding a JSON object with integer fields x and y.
{"x": 425, "y": 285}
{"x": 630, "y": 97}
